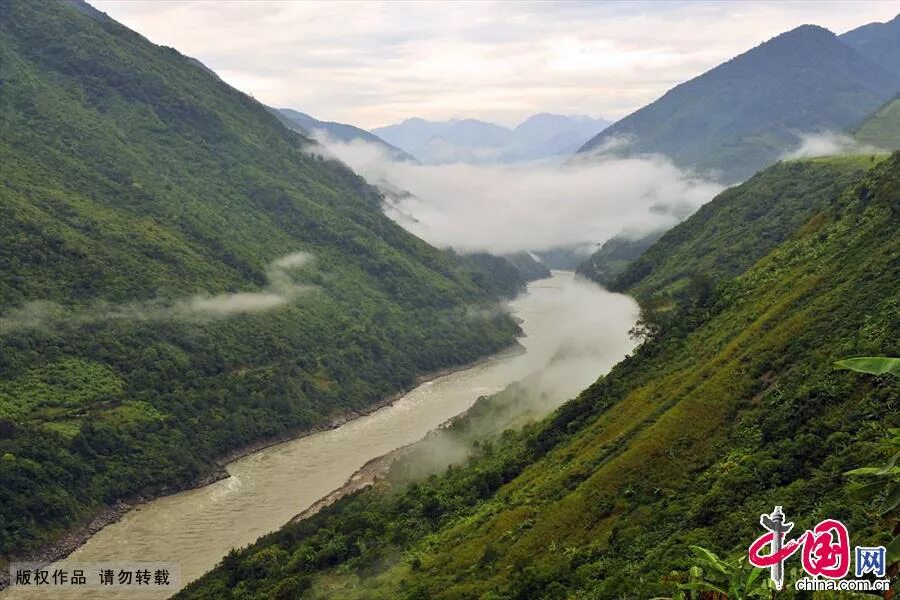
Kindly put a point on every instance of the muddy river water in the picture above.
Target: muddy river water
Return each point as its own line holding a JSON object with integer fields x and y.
{"x": 580, "y": 327}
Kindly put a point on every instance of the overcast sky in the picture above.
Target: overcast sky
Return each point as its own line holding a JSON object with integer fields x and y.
{"x": 377, "y": 63}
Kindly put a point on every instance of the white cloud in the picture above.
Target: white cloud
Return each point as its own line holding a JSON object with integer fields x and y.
{"x": 280, "y": 291}
{"x": 534, "y": 206}
{"x": 827, "y": 144}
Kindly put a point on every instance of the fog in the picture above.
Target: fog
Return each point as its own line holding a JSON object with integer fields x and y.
{"x": 279, "y": 291}
{"x": 827, "y": 144}
{"x": 534, "y": 206}
{"x": 587, "y": 335}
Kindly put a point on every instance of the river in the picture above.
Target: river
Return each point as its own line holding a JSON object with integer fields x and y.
{"x": 578, "y": 327}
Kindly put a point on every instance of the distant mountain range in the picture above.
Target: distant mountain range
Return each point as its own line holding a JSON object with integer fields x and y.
{"x": 541, "y": 136}
{"x": 749, "y": 111}
{"x": 340, "y": 132}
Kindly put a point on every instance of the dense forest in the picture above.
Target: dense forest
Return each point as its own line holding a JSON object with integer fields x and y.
{"x": 181, "y": 276}
{"x": 732, "y": 403}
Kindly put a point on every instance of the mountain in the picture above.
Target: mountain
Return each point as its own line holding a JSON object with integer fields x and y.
{"x": 547, "y": 135}
{"x": 741, "y": 225}
{"x": 180, "y": 279}
{"x": 341, "y": 132}
{"x": 732, "y": 404}
{"x": 541, "y": 136}
{"x": 503, "y": 276}
{"x": 748, "y": 112}
{"x": 882, "y": 128}
{"x": 879, "y": 42}
{"x": 614, "y": 256}
{"x": 529, "y": 267}
{"x": 458, "y": 140}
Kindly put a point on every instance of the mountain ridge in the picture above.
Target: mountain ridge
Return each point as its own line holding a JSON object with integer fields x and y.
{"x": 724, "y": 120}
{"x": 880, "y": 42}
{"x": 540, "y": 136}
{"x": 340, "y": 132}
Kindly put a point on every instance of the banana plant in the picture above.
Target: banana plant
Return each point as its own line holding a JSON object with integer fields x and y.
{"x": 887, "y": 476}
{"x": 873, "y": 365}
{"x": 713, "y": 578}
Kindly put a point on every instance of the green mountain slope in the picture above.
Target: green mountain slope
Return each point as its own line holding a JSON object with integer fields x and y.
{"x": 614, "y": 256}
{"x": 179, "y": 278}
{"x": 881, "y": 129}
{"x": 741, "y": 225}
{"x": 746, "y": 113}
{"x": 731, "y": 406}
{"x": 341, "y": 132}
{"x": 879, "y": 42}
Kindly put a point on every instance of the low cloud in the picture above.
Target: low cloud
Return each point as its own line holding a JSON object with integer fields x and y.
{"x": 586, "y": 337}
{"x": 280, "y": 291}
{"x": 828, "y": 143}
{"x": 534, "y": 206}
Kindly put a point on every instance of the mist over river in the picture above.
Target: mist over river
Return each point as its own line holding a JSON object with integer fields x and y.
{"x": 574, "y": 332}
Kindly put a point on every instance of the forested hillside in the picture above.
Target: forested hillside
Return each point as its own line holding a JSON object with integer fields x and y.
{"x": 179, "y": 277}
{"x": 742, "y": 224}
{"x": 340, "y": 132}
{"x": 748, "y": 112}
{"x": 731, "y": 405}
{"x": 879, "y": 42}
{"x": 614, "y": 256}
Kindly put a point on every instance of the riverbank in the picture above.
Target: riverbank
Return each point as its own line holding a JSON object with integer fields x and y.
{"x": 76, "y": 537}
{"x": 570, "y": 330}
{"x": 372, "y": 471}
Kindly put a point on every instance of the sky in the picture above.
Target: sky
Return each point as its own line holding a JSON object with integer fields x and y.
{"x": 377, "y": 63}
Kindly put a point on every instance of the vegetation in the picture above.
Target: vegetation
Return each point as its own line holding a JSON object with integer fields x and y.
{"x": 881, "y": 129}
{"x": 529, "y": 267}
{"x": 145, "y": 206}
{"x": 341, "y": 132}
{"x": 730, "y": 406}
{"x": 614, "y": 256}
{"x": 742, "y": 224}
{"x": 874, "y": 365}
{"x": 725, "y": 122}
{"x": 503, "y": 276}
{"x": 877, "y": 42}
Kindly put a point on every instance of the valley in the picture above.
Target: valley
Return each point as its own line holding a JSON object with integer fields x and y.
{"x": 265, "y": 489}
{"x": 316, "y": 300}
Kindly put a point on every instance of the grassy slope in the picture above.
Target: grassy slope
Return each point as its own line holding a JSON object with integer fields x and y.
{"x": 131, "y": 178}
{"x": 882, "y": 129}
{"x": 734, "y": 407}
